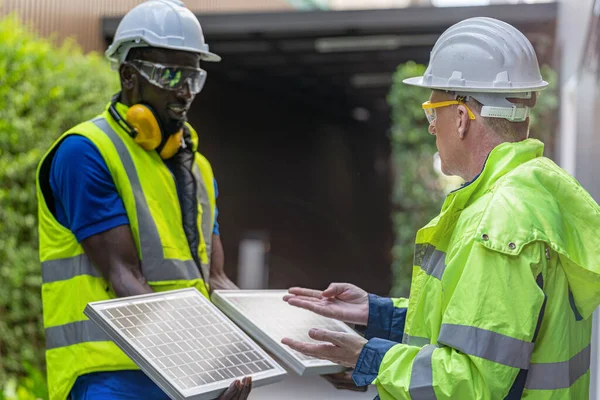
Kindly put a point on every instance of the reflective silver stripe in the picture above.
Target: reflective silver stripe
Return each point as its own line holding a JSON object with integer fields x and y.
{"x": 67, "y": 268}
{"x": 487, "y": 344}
{"x": 207, "y": 216}
{"x": 153, "y": 266}
{"x": 421, "y": 378}
{"x": 432, "y": 261}
{"x": 74, "y": 333}
{"x": 559, "y": 375}
{"x": 170, "y": 270}
{"x": 150, "y": 244}
{"x": 436, "y": 265}
{"x": 415, "y": 340}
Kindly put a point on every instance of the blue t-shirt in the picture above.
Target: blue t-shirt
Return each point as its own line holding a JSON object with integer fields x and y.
{"x": 123, "y": 385}
{"x": 87, "y": 203}
{"x": 86, "y": 198}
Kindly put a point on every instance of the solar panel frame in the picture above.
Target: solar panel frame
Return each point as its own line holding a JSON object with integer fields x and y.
{"x": 95, "y": 312}
{"x": 272, "y": 342}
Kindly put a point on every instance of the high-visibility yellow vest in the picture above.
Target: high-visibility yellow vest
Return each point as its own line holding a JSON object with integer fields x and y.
{"x": 74, "y": 345}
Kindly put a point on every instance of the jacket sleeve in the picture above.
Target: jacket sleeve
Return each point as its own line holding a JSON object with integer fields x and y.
{"x": 495, "y": 304}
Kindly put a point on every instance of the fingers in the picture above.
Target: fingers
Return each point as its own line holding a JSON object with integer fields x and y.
{"x": 239, "y": 386}
{"x": 238, "y": 390}
{"x": 287, "y": 297}
{"x": 305, "y": 292}
{"x": 346, "y": 354}
{"x": 322, "y": 335}
{"x": 296, "y": 345}
{"x": 313, "y": 306}
{"x": 336, "y": 289}
{"x": 232, "y": 391}
{"x": 321, "y": 351}
{"x": 246, "y": 388}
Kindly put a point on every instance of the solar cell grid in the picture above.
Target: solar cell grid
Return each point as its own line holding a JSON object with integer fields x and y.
{"x": 185, "y": 340}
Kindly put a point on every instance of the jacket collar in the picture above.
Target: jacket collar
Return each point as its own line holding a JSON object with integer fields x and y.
{"x": 502, "y": 159}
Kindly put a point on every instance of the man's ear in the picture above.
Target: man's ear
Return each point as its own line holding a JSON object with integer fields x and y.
{"x": 128, "y": 75}
{"x": 462, "y": 120}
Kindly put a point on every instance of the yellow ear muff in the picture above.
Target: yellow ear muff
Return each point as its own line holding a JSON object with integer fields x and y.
{"x": 148, "y": 133}
{"x": 172, "y": 145}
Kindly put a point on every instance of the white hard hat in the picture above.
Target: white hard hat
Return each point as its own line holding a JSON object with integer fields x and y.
{"x": 166, "y": 24}
{"x": 482, "y": 55}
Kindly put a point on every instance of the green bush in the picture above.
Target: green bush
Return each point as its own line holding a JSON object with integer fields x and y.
{"x": 44, "y": 90}
{"x": 31, "y": 387}
{"x": 418, "y": 191}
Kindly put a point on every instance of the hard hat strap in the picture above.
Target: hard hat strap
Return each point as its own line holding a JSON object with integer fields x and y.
{"x": 513, "y": 114}
{"x": 496, "y": 105}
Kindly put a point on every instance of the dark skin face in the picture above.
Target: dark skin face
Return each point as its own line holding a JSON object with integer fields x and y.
{"x": 167, "y": 104}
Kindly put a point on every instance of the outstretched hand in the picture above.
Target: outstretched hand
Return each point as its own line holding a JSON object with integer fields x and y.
{"x": 341, "y": 301}
{"x": 341, "y": 348}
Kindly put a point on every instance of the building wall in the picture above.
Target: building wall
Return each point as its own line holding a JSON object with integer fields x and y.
{"x": 82, "y": 18}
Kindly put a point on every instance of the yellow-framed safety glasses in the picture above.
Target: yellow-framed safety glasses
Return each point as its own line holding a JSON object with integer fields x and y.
{"x": 430, "y": 107}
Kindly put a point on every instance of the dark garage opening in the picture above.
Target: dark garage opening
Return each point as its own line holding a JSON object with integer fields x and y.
{"x": 294, "y": 121}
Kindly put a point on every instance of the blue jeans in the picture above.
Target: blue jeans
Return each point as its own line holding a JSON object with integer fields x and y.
{"x": 125, "y": 385}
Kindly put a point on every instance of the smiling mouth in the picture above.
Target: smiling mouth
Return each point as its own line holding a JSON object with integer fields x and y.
{"x": 177, "y": 112}
{"x": 178, "y": 109}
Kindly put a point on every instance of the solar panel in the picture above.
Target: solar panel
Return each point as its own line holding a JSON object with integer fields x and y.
{"x": 183, "y": 343}
{"x": 267, "y": 318}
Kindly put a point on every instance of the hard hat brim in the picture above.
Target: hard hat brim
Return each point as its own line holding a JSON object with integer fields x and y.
{"x": 418, "y": 81}
{"x": 210, "y": 57}
{"x": 204, "y": 55}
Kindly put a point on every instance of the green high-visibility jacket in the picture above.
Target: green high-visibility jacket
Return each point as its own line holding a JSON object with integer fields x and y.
{"x": 505, "y": 281}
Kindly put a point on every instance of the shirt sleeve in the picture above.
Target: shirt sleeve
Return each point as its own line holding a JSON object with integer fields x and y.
{"x": 386, "y": 318}
{"x": 369, "y": 361}
{"x": 86, "y": 198}
{"x": 384, "y": 330}
{"x": 216, "y": 228}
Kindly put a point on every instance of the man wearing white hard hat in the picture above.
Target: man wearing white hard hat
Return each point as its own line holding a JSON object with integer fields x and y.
{"x": 127, "y": 205}
{"x": 506, "y": 277}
